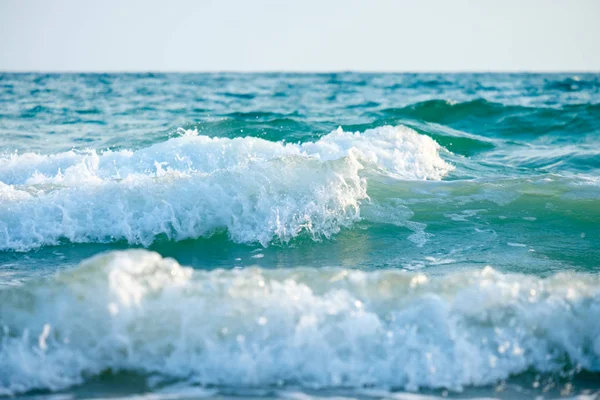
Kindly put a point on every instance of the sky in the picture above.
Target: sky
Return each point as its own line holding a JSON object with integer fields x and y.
{"x": 294, "y": 35}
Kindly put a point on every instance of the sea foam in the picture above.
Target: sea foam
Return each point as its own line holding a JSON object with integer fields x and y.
{"x": 135, "y": 311}
{"x": 191, "y": 186}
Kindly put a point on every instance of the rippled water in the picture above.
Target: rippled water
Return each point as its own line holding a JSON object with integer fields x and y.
{"x": 360, "y": 235}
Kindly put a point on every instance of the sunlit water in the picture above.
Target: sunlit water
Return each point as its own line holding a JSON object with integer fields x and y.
{"x": 299, "y": 236}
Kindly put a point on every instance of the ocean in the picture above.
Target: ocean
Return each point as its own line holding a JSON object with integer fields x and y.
{"x": 299, "y": 236}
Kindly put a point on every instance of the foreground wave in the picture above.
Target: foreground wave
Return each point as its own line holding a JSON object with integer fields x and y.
{"x": 135, "y": 311}
{"x": 192, "y": 186}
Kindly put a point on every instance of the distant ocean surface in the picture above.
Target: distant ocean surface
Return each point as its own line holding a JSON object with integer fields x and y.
{"x": 407, "y": 236}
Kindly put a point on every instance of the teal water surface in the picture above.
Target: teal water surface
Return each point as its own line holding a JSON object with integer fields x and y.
{"x": 289, "y": 235}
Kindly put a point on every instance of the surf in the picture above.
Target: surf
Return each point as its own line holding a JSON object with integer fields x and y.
{"x": 193, "y": 185}
{"x": 135, "y": 311}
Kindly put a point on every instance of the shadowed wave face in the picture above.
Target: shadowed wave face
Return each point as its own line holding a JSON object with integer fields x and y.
{"x": 287, "y": 235}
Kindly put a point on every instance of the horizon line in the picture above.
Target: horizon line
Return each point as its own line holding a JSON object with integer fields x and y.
{"x": 297, "y": 72}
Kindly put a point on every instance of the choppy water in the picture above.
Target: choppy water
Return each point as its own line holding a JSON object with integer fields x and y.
{"x": 297, "y": 235}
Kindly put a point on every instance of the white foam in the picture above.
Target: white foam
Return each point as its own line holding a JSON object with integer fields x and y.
{"x": 134, "y": 311}
{"x": 192, "y": 186}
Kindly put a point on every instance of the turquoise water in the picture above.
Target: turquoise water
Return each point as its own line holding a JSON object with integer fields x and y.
{"x": 300, "y": 235}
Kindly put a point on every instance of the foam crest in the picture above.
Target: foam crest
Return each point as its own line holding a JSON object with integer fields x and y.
{"x": 398, "y": 151}
{"x": 135, "y": 311}
{"x": 191, "y": 186}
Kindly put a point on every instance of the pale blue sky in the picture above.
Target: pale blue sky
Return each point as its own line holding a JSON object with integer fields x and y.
{"x": 308, "y": 35}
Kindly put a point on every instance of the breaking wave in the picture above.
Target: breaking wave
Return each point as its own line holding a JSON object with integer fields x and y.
{"x": 136, "y": 311}
{"x": 192, "y": 186}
